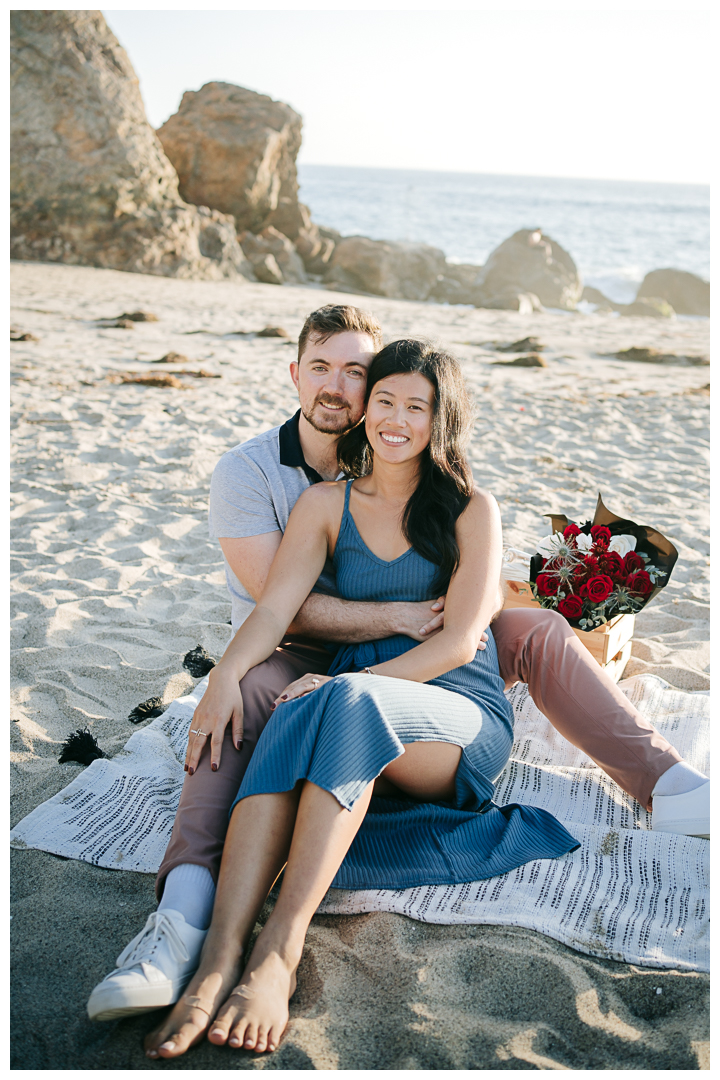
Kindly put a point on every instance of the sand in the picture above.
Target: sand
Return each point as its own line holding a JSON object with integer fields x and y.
{"x": 115, "y": 579}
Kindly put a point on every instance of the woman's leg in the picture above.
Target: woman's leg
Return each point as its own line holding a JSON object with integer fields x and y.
{"x": 256, "y": 848}
{"x": 256, "y": 1012}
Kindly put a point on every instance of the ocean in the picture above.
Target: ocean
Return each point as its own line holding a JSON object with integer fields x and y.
{"x": 615, "y": 230}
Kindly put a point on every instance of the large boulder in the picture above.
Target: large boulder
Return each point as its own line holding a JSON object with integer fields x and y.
{"x": 457, "y": 284}
{"x": 405, "y": 271}
{"x": 90, "y": 183}
{"x": 235, "y": 150}
{"x": 272, "y": 242}
{"x": 686, "y": 293}
{"x": 531, "y": 263}
{"x": 650, "y": 307}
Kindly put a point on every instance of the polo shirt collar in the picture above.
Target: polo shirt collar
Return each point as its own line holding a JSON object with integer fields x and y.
{"x": 291, "y": 451}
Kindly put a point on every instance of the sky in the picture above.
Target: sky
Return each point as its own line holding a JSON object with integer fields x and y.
{"x": 604, "y": 94}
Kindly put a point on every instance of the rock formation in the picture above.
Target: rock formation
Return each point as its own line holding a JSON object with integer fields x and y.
{"x": 407, "y": 271}
{"x": 457, "y": 284}
{"x": 595, "y": 296}
{"x": 235, "y": 150}
{"x": 653, "y": 307}
{"x": 90, "y": 183}
{"x": 314, "y": 244}
{"x": 271, "y": 244}
{"x": 686, "y": 293}
{"x": 511, "y": 299}
{"x": 529, "y": 263}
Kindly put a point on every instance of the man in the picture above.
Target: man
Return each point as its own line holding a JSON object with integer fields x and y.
{"x": 253, "y": 489}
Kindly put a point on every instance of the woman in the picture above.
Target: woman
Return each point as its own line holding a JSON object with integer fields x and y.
{"x": 425, "y": 727}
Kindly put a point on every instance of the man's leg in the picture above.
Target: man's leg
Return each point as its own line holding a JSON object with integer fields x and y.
{"x": 201, "y": 820}
{"x": 580, "y": 699}
{"x": 169, "y": 947}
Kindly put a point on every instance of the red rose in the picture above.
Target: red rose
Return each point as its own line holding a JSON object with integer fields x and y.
{"x": 570, "y": 607}
{"x": 633, "y": 562}
{"x": 572, "y": 530}
{"x": 611, "y": 563}
{"x": 546, "y": 585}
{"x": 640, "y": 582}
{"x": 601, "y": 534}
{"x": 597, "y": 589}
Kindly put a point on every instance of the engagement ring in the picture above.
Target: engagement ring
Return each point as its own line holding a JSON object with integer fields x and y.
{"x": 315, "y": 682}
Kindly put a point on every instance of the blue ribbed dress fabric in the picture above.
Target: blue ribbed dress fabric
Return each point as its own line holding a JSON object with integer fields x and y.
{"x": 342, "y": 735}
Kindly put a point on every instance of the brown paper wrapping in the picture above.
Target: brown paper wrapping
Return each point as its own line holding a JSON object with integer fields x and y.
{"x": 662, "y": 552}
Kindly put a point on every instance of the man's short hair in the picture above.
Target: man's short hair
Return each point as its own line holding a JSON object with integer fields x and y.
{"x": 339, "y": 319}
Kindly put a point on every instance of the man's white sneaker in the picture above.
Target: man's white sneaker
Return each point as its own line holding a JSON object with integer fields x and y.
{"x": 688, "y": 814}
{"x": 152, "y": 971}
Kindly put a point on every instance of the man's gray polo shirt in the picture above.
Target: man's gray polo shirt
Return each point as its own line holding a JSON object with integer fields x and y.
{"x": 254, "y": 487}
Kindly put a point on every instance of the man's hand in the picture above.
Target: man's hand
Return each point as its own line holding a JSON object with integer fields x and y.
{"x": 436, "y": 624}
{"x": 220, "y": 704}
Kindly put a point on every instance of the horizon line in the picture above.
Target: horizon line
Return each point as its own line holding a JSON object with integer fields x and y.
{"x": 506, "y": 175}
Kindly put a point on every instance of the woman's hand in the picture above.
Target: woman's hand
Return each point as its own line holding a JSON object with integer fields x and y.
{"x": 300, "y": 687}
{"x": 220, "y": 704}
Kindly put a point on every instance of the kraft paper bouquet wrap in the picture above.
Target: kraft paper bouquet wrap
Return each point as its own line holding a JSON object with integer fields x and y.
{"x": 606, "y": 567}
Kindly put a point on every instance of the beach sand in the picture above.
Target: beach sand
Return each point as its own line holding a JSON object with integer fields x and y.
{"x": 115, "y": 579}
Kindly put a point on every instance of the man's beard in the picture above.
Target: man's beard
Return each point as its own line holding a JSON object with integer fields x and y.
{"x": 335, "y": 425}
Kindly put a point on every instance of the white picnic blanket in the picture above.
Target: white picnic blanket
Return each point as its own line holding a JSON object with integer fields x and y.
{"x": 626, "y": 894}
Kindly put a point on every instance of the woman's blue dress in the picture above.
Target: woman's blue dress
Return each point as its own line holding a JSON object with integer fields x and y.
{"x": 342, "y": 735}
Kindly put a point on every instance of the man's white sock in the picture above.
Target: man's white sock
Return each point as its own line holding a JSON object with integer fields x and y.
{"x": 679, "y": 779}
{"x": 190, "y": 890}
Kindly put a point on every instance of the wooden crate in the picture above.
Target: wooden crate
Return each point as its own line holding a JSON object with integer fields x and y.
{"x": 610, "y": 644}
{"x": 519, "y": 594}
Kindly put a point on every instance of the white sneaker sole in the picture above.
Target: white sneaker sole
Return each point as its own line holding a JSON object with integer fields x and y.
{"x": 113, "y": 1002}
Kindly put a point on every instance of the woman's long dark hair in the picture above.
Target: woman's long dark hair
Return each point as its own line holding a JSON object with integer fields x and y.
{"x": 446, "y": 481}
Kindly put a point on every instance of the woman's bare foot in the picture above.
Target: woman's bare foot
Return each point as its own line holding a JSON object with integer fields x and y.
{"x": 256, "y": 1013}
{"x": 193, "y": 1013}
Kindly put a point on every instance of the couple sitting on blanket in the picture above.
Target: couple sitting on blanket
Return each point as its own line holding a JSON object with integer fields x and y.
{"x": 379, "y": 751}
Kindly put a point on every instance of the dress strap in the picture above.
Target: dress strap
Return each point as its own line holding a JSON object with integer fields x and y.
{"x": 346, "y": 519}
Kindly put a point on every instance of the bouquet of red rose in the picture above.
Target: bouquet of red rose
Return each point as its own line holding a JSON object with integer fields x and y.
{"x": 590, "y": 573}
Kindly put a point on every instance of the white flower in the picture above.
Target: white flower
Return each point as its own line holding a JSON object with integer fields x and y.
{"x": 622, "y": 544}
{"x": 552, "y": 546}
{"x": 584, "y": 542}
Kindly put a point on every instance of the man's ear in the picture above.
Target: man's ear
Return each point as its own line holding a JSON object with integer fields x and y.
{"x": 294, "y": 372}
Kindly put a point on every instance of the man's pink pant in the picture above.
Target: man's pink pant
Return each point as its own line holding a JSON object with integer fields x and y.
{"x": 536, "y": 647}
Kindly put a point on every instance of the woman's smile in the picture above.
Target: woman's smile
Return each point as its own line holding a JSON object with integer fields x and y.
{"x": 393, "y": 440}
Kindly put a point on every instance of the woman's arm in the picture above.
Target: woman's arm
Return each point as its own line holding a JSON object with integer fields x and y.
{"x": 296, "y": 567}
{"x": 471, "y": 601}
